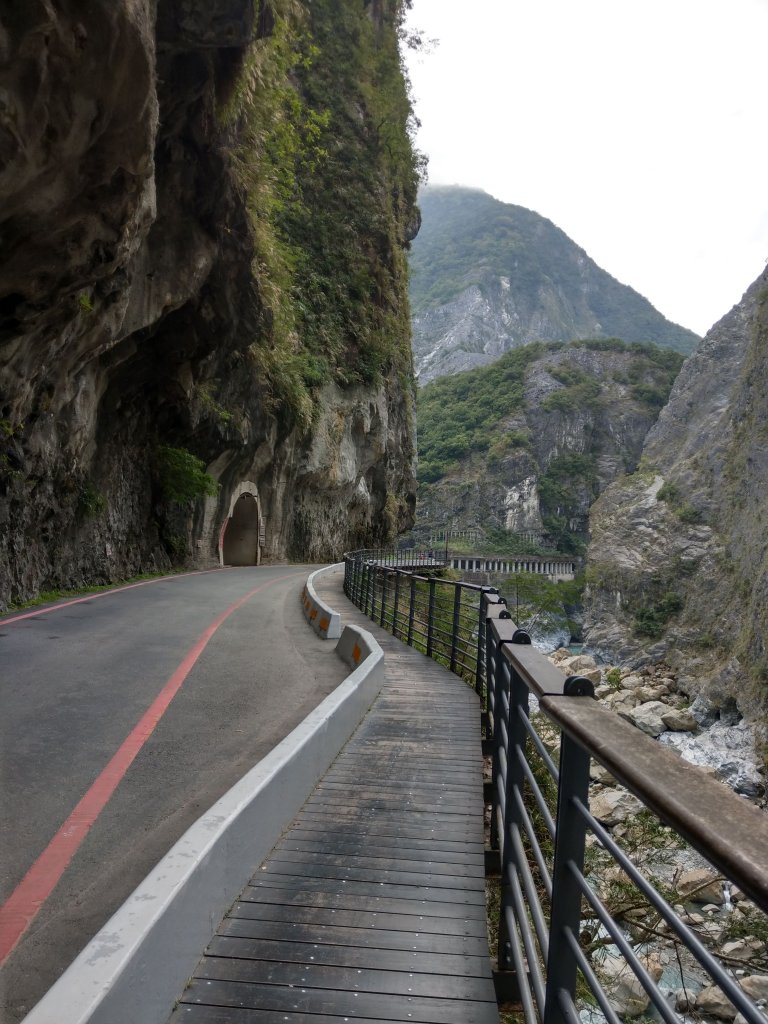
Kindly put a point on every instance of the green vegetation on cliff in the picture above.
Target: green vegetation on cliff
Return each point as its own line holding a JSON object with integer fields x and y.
{"x": 462, "y": 414}
{"x": 532, "y": 439}
{"x": 322, "y": 115}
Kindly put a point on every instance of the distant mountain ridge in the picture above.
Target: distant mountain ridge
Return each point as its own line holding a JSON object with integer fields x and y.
{"x": 487, "y": 277}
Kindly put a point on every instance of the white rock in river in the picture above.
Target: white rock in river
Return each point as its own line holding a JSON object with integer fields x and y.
{"x": 626, "y": 995}
{"x": 614, "y": 805}
{"x": 680, "y": 721}
{"x": 730, "y": 749}
{"x": 713, "y": 1002}
{"x": 648, "y": 717}
{"x": 700, "y": 885}
{"x": 756, "y": 986}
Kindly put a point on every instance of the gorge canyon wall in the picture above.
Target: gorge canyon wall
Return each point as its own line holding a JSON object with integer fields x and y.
{"x": 204, "y": 212}
{"x": 678, "y": 562}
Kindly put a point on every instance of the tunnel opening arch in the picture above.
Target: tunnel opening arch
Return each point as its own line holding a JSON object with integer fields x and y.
{"x": 241, "y": 536}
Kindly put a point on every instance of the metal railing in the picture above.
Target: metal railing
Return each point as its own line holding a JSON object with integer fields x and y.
{"x": 440, "y": 618}
{"x": 556, "y": 921}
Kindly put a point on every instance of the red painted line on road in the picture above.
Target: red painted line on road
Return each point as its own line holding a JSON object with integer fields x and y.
{"x": 25, "y": 902}
{"x": 102, "y": 593}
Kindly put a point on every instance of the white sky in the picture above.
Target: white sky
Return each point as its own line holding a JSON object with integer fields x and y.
{"x": 639, "y": 128}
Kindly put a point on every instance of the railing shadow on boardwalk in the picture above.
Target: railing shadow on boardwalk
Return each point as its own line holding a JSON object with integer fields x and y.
{"x": 566, "y": 944}
{"x": 372, "y": 905}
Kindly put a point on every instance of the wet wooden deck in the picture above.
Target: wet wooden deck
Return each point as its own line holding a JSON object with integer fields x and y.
{"x": 371, "y": 907}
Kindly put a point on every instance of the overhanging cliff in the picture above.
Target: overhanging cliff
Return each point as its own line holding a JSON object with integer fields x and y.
{"x": 205, "y": 209}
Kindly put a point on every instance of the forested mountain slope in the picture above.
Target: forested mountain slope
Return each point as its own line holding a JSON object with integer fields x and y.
{"x": 488, "y": 276}
{"x": 521, "y": 448}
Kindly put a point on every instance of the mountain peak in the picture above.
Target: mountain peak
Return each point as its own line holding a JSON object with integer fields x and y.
{"x": 487, "y": 277}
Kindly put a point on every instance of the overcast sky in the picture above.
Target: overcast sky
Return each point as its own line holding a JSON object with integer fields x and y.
{"x": 639, "y": 128}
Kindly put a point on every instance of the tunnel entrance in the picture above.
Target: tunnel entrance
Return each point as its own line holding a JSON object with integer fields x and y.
{"x": 240, "y": 543}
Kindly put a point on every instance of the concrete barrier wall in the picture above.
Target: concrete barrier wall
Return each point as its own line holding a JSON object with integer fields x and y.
{"x": 139, "y": 963}
{"x": 324, "y": 621}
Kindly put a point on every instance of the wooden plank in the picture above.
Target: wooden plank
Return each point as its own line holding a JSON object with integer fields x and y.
{"x": 369, "y": 809}
{"x": 443, "y": 911}
{"x": 325, "y": 821}
{"x": 192, "y": 1013}
{"x": 357, "y": 917}
{"x": 420, "y": 893}
{"x": 365, "y": 845}
{"x": 374, "y": 860}
{"x": 371, "y": 908}
{"x": 355, "y": 1004}
{"x": 389, "y": 980}
{"x": 379, "y": 876}
{"x": 376, "y": 938}
{"x": 349, "y": 956}
{"x": 379, "y": 786}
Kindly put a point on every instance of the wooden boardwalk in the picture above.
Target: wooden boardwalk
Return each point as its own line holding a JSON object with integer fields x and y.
{"x": 371, "y": 907}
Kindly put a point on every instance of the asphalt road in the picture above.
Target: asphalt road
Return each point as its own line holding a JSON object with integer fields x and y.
{"x": 84, "y": 681}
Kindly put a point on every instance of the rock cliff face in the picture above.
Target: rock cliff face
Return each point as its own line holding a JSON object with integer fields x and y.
{"x": 525, "y": 446}
{"x": 180, "y": 270}
{"x": 677, "y": 563}
{"x": 489, "y": 276}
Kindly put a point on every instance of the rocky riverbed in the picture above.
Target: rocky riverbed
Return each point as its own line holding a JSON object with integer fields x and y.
{"x": 730, "y": 925}
{"x": 651, "y": 698}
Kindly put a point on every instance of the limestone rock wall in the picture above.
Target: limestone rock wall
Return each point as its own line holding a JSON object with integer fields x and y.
{"x": 677, "y": 563}
{"x": 130, "y": 302}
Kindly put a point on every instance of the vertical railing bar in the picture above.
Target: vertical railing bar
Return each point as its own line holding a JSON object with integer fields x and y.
{"x": 518, "y": 698}
{"x": 411, "y": 608}
{"x": 570, "y": 840}
{"x": 431, "y": 616}
{"x": 455, "y": 629}
{"x": 375, "y": 579}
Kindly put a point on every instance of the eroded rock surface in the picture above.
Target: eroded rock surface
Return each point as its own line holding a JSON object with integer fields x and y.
{"x": 132, "y": 302}
{"x": 677, "y": 561}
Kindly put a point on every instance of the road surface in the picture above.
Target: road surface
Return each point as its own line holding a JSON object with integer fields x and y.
{"x": 125, "y": 715}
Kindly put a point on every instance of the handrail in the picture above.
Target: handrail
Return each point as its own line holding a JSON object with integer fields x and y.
{"x": 729, "y": 832}
{"x": 550, "y": 897}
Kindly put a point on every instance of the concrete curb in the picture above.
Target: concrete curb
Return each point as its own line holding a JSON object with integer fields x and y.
{"x": 137, "y": 966}
{"x": 322, "y": 618}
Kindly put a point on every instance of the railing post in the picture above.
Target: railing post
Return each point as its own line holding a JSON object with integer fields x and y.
{"x": 375, "y": 578}
{"x": 570, "y": 839}
{"x": 368, "y": 569}
{"x": 397, "y": 600}
{"x": 481, "y": 657}
{"x": 495, "y": 688}
{"x": 456, "y": 621}
{"x": 515, "y": 782}
{"x": 430, "y": 615}
{"x": 384, "y": 581}
{"x": 411, "y": 610}
{"x": 481, "y": 669}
